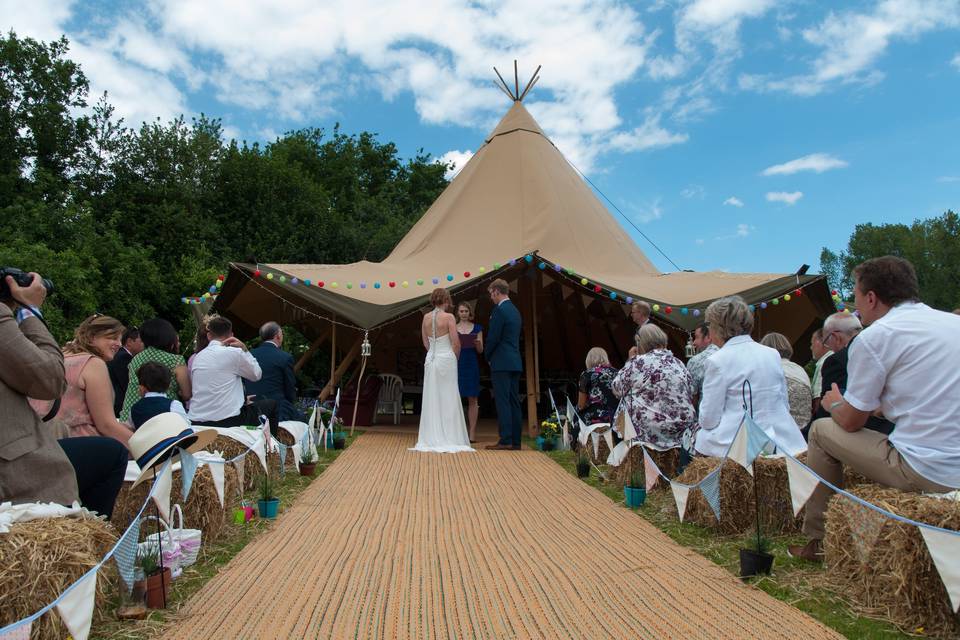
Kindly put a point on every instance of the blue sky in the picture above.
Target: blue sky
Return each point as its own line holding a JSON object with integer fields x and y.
{"x": 737, "y": 134}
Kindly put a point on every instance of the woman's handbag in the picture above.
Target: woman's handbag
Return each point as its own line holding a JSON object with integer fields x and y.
{"x": 169, "y": 547}
{"x": 189, "y": 539}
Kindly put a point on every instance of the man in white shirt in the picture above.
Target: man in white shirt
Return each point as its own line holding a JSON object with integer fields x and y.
{"x": 904, "y": 364}
{"x": 820, "y": 353}
{"x": 217, "y": 374}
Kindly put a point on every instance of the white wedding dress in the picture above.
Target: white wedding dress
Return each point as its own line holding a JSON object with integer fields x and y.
{"x": 442, "y": 427}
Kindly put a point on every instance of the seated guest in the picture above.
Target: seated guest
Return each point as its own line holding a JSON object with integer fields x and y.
{"x": 741, "y": 359}
{"x": 130, "y": 345}
{"x": 596, "y": 401}
{"x": 904, "y": 364}
{"x": 640, "y": 313}
{"x": 698, "y": 363}
{"x": 154, "y": 381}
{"x": 35, "y": 466}
{"x": 277, "y": 381}
{"x": 840, "y": 329}
{"x": 200, "y": 341}
{"x": 798, "y": 383}
{"x": 161, "y": 344}
{"x": 657, "y": 392}
{"x": 820, "y": 354}
{"x": 86, "y": 408}
{"x": 218, "y": 374}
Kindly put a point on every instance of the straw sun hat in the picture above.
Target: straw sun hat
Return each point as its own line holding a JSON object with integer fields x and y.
{"x": 158, "y": 438}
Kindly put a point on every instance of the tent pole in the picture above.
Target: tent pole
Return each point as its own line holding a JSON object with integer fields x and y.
{"x": 333, "y": 346}
{"x": 341, "y": 368}
{"x": 529, "y": 365}
{"x": 316, "y": 344}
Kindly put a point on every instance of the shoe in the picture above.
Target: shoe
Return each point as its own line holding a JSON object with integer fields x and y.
{"x": 811, "y": 552}
{"x": 515, "y": 447}
{"x": 499, "y": 447}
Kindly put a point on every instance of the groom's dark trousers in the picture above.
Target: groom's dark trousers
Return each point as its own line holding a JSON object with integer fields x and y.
{"x": 502, "y": 349}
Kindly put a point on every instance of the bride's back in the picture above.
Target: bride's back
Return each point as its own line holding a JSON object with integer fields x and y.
{"x": 444, "y": 321}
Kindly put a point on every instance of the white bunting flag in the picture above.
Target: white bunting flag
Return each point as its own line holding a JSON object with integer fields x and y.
{"x": 680, "y": 494}
{"x": 161, "y": 491}
{"x": 571, "y": 414}
{"x": 802, "y": 484}
{"x": 20, "y": 633}
{"x": 282, "y": 450}
{"x": 216, "y": 472}
{"x": 650, "y": 469}
{"x": 629, "y": 431}
{"x": 618, "y": 454}
{"x": 596, "y": 444}
{"x": 584, "y": 432}
{"x": 188, "y": 469}
{"x": 944, "y": 548}
{"x": 747, "y": 444}
{"x": 296, "y": 449}
{"x": 260, "y": 452}
{"x": 76, "y": 605}
{"x": 608, "y": 436}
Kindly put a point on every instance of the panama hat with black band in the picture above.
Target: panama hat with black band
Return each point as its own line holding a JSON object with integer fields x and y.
{"x": 158, "y": 438}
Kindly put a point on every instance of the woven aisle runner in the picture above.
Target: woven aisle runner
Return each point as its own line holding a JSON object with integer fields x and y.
{"x": 389, "y": 543}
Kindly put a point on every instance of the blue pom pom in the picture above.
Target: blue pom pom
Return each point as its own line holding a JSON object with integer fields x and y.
{"x": 529, "y": 259}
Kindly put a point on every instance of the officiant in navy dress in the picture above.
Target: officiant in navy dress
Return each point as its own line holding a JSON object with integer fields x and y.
{"x": 503, "y": 353}
{"x": 468, "y": 366}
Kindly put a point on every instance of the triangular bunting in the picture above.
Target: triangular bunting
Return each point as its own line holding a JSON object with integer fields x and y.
{"x": 161, "y": 491}
{"x": 618, "y": 454}
{"x": 188, "y": 469}
{"x": 126, "y": 554}
{"x": 747, "y": 444}
{"x": 217, "y": 472}
{"x": 608, "y": 436}
{"x": 239, "y": 466}
{"x": 76, "y": 605}
{"x": 259, "y": 450}
{"x": 865, "y": 525}
{"x": 944, "y": 548}
{"x": 565, "y": 291}
{"x": 651, "y": 470}
{"x": 629, "y": 431}
{"x": 584, "y": 432}
{"x": 802, "y": 484}
{"x": 680, "y": 494}
{"x": 596, "y": 443}
{"x": 587, "y": 300}
{"x": 297, "y": 451}
{"x": 570, "y": 411}
{"x": 710, "y": 488}
{"x": 282, "y": 450}
{"x": 565, "y": 435}
{"x": 18, "y": 633}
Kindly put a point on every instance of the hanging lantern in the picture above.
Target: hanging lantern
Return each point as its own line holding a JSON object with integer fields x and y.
{"x": 365, "y": 349}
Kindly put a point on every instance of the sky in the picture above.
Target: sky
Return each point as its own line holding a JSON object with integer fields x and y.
{"x": 741, "y": 135}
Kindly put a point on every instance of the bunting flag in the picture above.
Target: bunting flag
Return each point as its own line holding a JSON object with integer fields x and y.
{"x": 680, "y": 494}
{"x": 297, "y": 455}
{"x": 944, "y": 548}
{"x": 565, "y": 291}
{"x": 596, "y": 444}
{"x": 282, "y": 450}
{"x": 238, "y": 465}
{"x": 629, "y": 431}
{"x": 584, "y": 432}
{"x": 19, "y": 633}
{"x": 259, "y": 450}
{"x": 570, "y": 411}
{"x": 161, "y": 491}
{"x": 802, "y": 484}
{"x": 216, "y": 472}
{"x": 710, "y": 488}
{"x": 747, "y": 444}
{"x": 188, "y": 469}
{"x": 126, "y": 553}
{"x": 76, "y": 605}
{"x": 619, "y": 453}
{"x": 865, "y": 526}
{"x": 651, "y": 470}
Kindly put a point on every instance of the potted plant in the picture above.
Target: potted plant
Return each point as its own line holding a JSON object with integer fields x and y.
{"x": 583, "y": 465}
{"x": 547, "y": 440}
{"x": 155, "y": 583}
{"x": 756, "y": 559}
{"x": 635, "y": 491}
{"x": 308, "y": 460}
{"x": 339, "y": 439}
{"x": 269, "y": 503}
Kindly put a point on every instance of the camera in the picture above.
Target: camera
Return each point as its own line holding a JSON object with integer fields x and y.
{"x": 22, "y": 278}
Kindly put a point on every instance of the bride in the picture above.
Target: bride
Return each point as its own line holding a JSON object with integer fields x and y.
{"x": 442, "y": 427}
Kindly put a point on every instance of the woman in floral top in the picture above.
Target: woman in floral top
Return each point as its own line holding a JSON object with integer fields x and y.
{"x": 596, "y": 402}
{"x": 657, "y": 392}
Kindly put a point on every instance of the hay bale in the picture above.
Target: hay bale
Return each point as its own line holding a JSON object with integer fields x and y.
{"x": 737, "y": 513}
{"x": 667, "y": 461}
{"x": 41, "y": 558}
{"x": 603, "y": 451}
{"x": 201, "y": 510}
{"x": 894, "y": 575}
{"x": 252, "y": 469}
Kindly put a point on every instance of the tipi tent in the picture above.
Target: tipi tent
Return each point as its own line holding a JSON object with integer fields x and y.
{"x": 519, "y": 211}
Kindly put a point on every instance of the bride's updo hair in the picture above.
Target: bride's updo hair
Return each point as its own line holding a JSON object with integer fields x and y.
{"x": 441, "y": 298}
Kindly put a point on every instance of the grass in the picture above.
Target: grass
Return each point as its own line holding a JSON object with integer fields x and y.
{"x": 212, "y": 558}
{"x": 793, "y": 581}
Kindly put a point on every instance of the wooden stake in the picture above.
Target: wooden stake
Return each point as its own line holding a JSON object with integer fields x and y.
{"x": 316, "y": 344}
{"x": 505, "y": 92}
{"x": 505, "y": 85}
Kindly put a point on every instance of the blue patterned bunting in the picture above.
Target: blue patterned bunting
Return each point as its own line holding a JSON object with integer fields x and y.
{"x": 188, "y": 469}
{"x": 710, "y": 488}
{"x": 749, "y": 442}
{"x": 126, "y": 553}
{"x": 283, "y": 458}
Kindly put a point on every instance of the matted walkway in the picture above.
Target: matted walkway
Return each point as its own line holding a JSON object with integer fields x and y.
{"x": 388, "y": 543}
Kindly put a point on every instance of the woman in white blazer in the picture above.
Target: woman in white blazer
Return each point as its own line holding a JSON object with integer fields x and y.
{"x": 739, "y": 359}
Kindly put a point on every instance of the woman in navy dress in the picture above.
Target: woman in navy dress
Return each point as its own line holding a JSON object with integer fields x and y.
{"x": 469, "y": 363}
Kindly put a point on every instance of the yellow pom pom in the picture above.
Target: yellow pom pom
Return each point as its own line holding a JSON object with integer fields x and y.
{"x": 656, "y": 307}
{"x": 786, "y": 297}
{"x": 333, "y": 284}
{"x": 404, "y": 284}
{"x": 583, "y": 281}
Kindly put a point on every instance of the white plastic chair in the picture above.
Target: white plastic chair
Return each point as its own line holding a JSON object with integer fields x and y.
{"x": 390, "y": 399}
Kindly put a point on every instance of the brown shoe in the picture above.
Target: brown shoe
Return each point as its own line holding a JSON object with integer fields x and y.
{"x": 499, "y": 447}
{"x": 811, "y": 552}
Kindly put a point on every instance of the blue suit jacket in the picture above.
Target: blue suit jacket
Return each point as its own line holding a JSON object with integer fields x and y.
{"x": 277, "y": 382}
{"x": 502, "y": 346}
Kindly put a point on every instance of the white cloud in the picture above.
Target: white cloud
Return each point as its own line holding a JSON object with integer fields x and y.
{"x": 784, "y": 197}
{"x": 692, "y": 191}
{"x": 699, "y": 241}
{"x": 851, "y": 43}
{"x": 40, "y": 19}
{"x": 457, "y": 158}
{"x": 956, "y": 61}
{"x": 733, "y": 201}
{"x": 647, "y": 212}
{"x": 818, "y": 162}
{"x": 948, "y": 179}
{"x": 649, "y": 135}
{"x": 743, "y": 230}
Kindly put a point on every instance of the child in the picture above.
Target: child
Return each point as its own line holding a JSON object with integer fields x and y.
{"x": 154, "y": 379}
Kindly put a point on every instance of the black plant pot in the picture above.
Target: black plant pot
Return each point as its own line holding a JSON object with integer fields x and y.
{"x": 754, "y": 563}
{"x": 339, "y": 443}
{"x": 583, "y": 470}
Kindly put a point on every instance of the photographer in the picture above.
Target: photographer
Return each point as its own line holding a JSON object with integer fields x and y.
{"x": 34, "y": 466}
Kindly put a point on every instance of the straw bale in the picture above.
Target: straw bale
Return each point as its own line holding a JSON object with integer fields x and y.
{"x": 667, "y": 461}
{"x": 894, "y": 576}
{"x": 41, "y": 558}
{"x": 603, "y": 451}
{"x": 201, "y": 510}
{"x": 252, "y": 469}
{"x": 737, "y": 513}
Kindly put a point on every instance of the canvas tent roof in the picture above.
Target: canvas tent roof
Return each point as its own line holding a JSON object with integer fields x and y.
{"x": 516, "y": 196}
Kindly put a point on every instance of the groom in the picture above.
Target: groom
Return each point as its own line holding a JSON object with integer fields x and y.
{"x": 502, "y": 350}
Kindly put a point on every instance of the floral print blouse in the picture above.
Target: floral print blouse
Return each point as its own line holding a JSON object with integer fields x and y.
{"x": 657, "y": 390}
{"x": 601, "y": 402}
